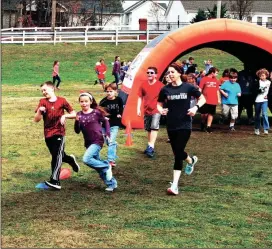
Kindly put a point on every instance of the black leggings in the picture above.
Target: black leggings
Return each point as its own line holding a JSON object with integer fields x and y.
{"x": 58, "y": 79}
{"x": 55, "y": 145}
{"x": 178, "y": 141}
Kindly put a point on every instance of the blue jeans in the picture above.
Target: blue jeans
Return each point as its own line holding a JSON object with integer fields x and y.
{"x": 112, "y": 146}
{"x": 92, "y": 159}
{"x": 261, "y": 107}
{"x": 116, "y": 77}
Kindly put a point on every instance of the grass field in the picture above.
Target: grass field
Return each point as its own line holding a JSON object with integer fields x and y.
{"x": 225, "y": 203}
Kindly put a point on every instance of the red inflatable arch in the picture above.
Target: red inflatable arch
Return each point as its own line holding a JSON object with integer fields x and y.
{"x": 248, "y": 42}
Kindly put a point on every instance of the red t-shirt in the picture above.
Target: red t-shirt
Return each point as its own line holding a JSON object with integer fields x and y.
{"x": 149, "y": 94}
{"x": 210, "y": 87}
{"x": 51, "y": 118}
{"x": 101, "y": 69}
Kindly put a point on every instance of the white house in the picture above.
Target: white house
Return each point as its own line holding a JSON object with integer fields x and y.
{"x": 184, "y": 11}
{"x": 153, "y": 11}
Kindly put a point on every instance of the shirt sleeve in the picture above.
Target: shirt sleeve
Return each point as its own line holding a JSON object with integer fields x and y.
{"x": 195, "y": 92}
{"x": 39, "y": 105}
{"x": 77, "y": 125}
{"x": 121, "y": 106}
{"x": 67, "y": 106}
{"x": 162, "y": 96}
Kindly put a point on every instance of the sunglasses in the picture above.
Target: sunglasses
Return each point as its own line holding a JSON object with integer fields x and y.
{"x": 150, "y": 72}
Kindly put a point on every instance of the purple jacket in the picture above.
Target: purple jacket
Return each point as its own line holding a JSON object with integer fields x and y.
{"x": 91, "y": 126}
{"x": 116, "y": 67}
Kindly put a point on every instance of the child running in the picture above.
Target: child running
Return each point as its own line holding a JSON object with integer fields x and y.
{"x": 230, "y": 91}
{"x": 114, "y": 106}
{"x": 101, "y": 69}
{"x": 51, "y": 110}
{"x": 88, "y": 121}
{"x": 55, "y": 74}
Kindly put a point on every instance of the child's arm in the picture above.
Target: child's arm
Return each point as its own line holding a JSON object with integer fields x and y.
{"x": 70, "y": 115}
{"x": 223, "y": 93}
{"x": 77, "y": 124}
{"x": 39, "y": 114}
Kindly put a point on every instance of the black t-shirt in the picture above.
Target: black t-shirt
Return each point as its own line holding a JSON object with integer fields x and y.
{"x": 178, "y": 102}
{"x": 113, "y": 107}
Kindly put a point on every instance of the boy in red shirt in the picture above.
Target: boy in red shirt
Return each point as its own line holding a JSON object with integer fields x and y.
{"x": 101, "y": 70}
{"x": 209, "y": 86}
{"x": 148, "y": 94}
{"x": 51, "y": 110}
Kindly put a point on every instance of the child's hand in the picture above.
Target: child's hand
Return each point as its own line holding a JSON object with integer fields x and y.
{"x": 119, "y": 116}
{"x": 108, "y": 140}
{"x": 42, "y": 109}
{"x": 78, "y": 117}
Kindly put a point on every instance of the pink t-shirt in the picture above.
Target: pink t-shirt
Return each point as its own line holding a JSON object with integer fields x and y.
{"x": 55, "y": 70}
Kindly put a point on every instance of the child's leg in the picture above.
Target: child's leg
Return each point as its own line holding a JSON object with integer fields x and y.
{"x": 112, "y": 149}
{"x": 59, "y": 80}
{"x": 55, "y": 145}
{"x": 258, "y": 107}
{"x": 265, "y": 115}
{"x": 92, "y": 159}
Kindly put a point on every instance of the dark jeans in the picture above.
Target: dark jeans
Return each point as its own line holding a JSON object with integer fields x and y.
{"x": 246, "y": 101}
{"x": 55, "y": 145}
{"x": 178, "y": 141}
{"x": 116, "y": 77}
{"x": 58, "y": 79}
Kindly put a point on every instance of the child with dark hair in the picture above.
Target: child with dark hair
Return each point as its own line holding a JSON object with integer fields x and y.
{"x": 225, "y": 76}
{"x": 88, "y": 121}
{"x": 261, "y": 101}
{"x": 55, "y": 74}
{"x": 101, "y": 70}
{"x": 114, "y": 107}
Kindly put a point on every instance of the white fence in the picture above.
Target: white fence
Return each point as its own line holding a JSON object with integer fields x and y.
{"x": 84, "y": 34}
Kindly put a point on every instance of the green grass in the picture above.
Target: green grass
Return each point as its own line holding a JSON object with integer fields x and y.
{"x": 225, "y": 203}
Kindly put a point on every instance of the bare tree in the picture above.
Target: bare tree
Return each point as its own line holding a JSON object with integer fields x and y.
{"x": 241, "y": 9}
{"x": 156, "y": 13}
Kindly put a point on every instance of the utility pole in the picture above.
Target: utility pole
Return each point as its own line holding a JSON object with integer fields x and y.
{"x": 218, "y": 15}
{"x": 53, "y": 19}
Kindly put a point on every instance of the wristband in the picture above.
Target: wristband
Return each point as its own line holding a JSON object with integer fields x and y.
{"x": 197, "y": 107}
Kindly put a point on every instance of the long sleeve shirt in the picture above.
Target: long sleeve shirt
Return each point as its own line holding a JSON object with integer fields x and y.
{"x": 90, "y": 125}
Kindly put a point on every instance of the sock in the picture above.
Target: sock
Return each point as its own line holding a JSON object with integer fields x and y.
{"x": 176, "y": 176}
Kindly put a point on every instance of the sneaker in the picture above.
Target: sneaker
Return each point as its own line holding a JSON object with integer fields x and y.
{"x": 209, "y": 129}
{"x": 112, "y": 164}
{"x": 251, "y": 121}
{"x": 112, "y": 187}
{"x": 150, "y": 152}
{"x": 172, "y": 190}
{"x": 168, "y": 140}
{"x": 190, "y": 167}
{"x": 108, "y": 173}
{"x": 74, "y": 164}
{"x": 231, "y": 128}
{"x": 53, "y": 184}
{"x": 266, "y": 132}
{"x": 95, "y": 82}
{"x": 257, "y": 132}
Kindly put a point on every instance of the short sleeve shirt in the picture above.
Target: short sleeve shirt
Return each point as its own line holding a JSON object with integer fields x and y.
{"x": 210, "y": 87}
{"x": 150, "y": 94}
{"x": 178, "y": 100}
{"x": 52, "y": 115}
{"x": 232, "y": 89}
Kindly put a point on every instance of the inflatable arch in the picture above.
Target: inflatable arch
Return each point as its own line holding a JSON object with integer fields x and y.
{"x": 250, "y": 43}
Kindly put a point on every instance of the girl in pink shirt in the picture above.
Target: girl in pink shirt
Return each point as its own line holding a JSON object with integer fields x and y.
{"x": 55, "y": 74}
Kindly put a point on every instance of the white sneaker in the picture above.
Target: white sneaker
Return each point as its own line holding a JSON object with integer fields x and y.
{"x": 257, "y": 132}
{"x": 173, "y": 190}
{"x": 266, "y": 132}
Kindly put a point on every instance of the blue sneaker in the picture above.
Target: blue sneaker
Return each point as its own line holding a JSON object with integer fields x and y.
{"x": 190, "y": 167}
{"x": 150, "y": 152}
